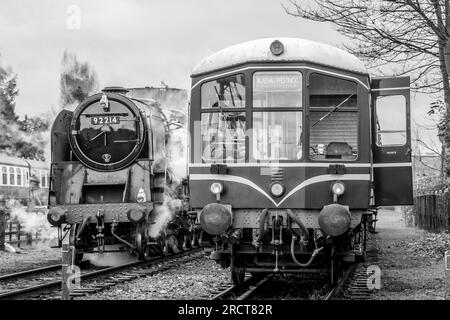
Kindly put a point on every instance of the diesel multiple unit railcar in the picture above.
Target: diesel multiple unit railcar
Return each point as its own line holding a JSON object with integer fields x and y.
{"x": 293, "y": 147}
{"x": 23, "y": 180}
{"x": 110, "y": 181}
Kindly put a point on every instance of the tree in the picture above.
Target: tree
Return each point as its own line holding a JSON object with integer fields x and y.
{"x": 402, "y": 36}
{"x": 22, "y": 138}
{"x": 8, "y": 93}
{"x": 78, "y": 80}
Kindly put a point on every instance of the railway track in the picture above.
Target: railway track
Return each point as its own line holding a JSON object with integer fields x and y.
{"x": 352, "y": 285}
{"x": 97, "y": 280}
{"x": 240, "y": 292}
{"x": 356, "y": 282}
{"x": 20, "y": 274}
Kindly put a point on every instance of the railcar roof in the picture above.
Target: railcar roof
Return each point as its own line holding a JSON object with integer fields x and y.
{"x": 16, "y": 161}
{"x": 298, "y": 50}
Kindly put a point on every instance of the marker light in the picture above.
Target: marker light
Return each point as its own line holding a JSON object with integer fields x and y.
{"x": 216, "y": 188}
{"x": 338, "y": 188}
{"x": 277, "y": 189}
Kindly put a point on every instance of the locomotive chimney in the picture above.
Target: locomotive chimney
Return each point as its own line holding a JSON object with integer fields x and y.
{"x": 119, "y": 90}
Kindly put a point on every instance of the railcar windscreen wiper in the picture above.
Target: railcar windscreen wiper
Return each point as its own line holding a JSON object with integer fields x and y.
{"x": 236, "y": 117}
{"x": 334, "y": 109}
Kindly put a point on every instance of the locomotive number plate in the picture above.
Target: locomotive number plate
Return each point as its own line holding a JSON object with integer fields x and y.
{"x": 105, "y": 120}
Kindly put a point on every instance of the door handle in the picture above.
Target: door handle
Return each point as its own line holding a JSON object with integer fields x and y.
{"x": 408, "y": 151}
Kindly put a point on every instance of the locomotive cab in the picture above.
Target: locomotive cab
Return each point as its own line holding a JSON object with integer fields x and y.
{"x": 291, "y": 154}
{"x": 108, "y": 174}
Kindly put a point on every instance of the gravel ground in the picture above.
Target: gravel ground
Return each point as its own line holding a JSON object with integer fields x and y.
{"x": 406, "y": 273}
{"x": 189, "y": 281}
{"x": 29, "y": 257}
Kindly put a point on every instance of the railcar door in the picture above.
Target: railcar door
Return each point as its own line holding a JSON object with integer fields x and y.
{"x": 391, "y": 141}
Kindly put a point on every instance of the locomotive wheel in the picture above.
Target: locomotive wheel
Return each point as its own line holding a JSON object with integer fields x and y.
{"x": 78, "y": 256}
{"x": 143, "y": 249}
{"x": 237, "y": 273}
{"x": 363, "y": 241}
{"x": 157, "y": 249}
{"x": 195, "y": 239}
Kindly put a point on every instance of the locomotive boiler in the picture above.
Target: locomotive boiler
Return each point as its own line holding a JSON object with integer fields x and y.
{"x": 110, "y": 185}
{"x": 293, "y": 148}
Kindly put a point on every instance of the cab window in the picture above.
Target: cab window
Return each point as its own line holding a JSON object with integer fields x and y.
{"x": 390, "y": 114}
{"x": 226, "y": 92}
{"x": 333, "y": 118}
{"x": 223, "y": 137}
{"x": 277, "y": 89}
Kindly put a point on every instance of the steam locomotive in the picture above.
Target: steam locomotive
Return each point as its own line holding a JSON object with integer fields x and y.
{"x": 111, "y": 187}
{"x": 293, "y": 148}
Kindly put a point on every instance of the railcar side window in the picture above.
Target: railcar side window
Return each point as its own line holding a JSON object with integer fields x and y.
{"x": 333, "y": 119}
{"x": 390, "y": 120}
{"x": 277, "y": 89}
{"x": 228, "y": 92}
{"x": 223, "y": 137}
{"x": 4, "y": 176}
{"x": 43, "y": 176}
{"x": 27, "y": 177}
{"x": 19, "y": 176}
{"x": 277, "y": 135}
{"x": 12, "y": 180}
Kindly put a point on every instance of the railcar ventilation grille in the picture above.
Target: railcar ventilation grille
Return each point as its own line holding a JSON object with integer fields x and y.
{"x": 277, "y": 174}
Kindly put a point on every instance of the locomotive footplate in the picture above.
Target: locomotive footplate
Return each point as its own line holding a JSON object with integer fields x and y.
{"x": 112, "y": 211}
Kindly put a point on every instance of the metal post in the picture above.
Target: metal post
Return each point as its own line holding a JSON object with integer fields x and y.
{"x": 2, "y": 228}
{"x": 447, "y": 275}
{"x": 66, "y": 261}
{"x": 18, "y": 234}
{"x": 29, "y": 238}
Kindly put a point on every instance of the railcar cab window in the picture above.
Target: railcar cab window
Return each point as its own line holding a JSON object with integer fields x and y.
{"x": 277, "y": 116}
{"x": 333, "y": 118}
{"x": 223, "y": 122}
{"x": 390, "y": 120}
{"x": 228, "y": 92}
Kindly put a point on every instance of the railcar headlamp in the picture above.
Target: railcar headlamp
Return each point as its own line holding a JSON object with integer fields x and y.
{"x": 277, "y": 189}
{"x": 338, "y": 188}
{"x": 216, "y": 188}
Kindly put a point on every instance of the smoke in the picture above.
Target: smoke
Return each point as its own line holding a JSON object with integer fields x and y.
{"x": 176, "y": 160}
{"x": 177, "y": 155}
{"x": 164, "y": 214}
{"x": 33, "y": 222}
{"x": 78, "y": 81}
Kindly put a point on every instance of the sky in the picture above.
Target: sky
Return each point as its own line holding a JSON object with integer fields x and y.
{"x": 136, "y": 43}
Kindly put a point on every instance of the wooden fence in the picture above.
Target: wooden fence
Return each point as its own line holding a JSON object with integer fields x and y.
{"x": 14, "y": 234}
{"x": 431, "y": 211}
